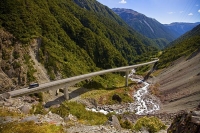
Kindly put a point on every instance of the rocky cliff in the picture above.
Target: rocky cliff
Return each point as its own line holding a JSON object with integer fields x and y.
{"x": 18, "y": 63}
{"x": 186, "y": 123}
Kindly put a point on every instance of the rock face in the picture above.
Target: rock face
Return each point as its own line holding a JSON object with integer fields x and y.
{"x": 18, "y": 63}
{"x": 186, "y": 123}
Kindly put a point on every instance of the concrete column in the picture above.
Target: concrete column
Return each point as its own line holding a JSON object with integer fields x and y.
{"x": 126, "y": 79}
{"x": 66, "y": 93}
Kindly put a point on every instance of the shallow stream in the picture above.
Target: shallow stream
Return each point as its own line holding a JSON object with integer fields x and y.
{"x": 144, "y": 102}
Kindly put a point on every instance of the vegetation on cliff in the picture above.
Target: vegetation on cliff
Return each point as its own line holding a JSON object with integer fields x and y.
{"x": 187, "y": 45}
{"x": 74, "y": 40}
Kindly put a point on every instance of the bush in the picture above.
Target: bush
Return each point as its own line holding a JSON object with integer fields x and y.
{"x": 38, "y": 109}
{"x": 16, "y": 65}
{"x": 152, "y": 124}
{"x": 126, "y": 124}
{"x": 16, "y": 54}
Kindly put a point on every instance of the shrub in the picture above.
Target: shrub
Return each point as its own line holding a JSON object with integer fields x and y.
{"x": 16, "y": 64}
{"x": 38, "y": 109}
{"x": 39, "y": 95}
{"x": 16, "y": 54}
{"x": 152, "y": 124}
{"x": 126, "y": 124}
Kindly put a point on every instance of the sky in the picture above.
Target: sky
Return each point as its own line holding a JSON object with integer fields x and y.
{"x": 164, "y": 11}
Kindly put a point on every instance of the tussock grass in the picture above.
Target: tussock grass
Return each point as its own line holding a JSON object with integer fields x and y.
{"x": 80, "y": 112}
{"x": 30, "y": 127}
{"x": 105, "y": 96}
{"x": 4, "y": 111}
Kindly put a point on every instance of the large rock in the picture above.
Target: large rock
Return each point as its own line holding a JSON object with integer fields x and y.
{"x": 5, "y": 95}
{"x": 25, "y": 109}
{"x": 9, "y": 102}
{"x": 186, "y": 123}
{"x": 115, "y": 122}
{"x": 31, "y": 118}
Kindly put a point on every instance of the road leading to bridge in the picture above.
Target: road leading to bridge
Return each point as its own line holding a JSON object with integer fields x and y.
{"x": 65, "y": 83}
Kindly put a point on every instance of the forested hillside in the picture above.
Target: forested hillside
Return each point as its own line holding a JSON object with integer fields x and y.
{"x": 73, "y": 37}
{"x": 187, "y": 45}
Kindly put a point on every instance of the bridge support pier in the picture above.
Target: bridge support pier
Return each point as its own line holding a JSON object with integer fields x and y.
{"x": 126, "y": 79}
{"x": 66, "y": 93}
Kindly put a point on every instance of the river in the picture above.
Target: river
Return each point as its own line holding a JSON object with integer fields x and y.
{"x": 144, "y": 102}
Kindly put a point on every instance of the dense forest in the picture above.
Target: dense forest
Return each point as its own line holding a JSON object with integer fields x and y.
{"x": 83, "y": 30}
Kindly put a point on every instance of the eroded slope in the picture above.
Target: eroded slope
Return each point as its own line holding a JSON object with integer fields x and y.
{"x": 180, "y": 85}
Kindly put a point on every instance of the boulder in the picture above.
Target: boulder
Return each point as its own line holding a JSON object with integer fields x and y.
{"x": 31, "y": 118}
{"x": 8, "y": 102}
{"x": 5, "y": 95}
{"x": 25, "y": 109}
{"x": 185, "y": 123}
{"x": 29, "y": 99}
{"x": 72, "y": 118}
{"x": 115, "y": 122}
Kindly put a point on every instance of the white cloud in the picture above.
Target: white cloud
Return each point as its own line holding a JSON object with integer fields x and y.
{"x": 181, "y": 11}
{"x": 171, "y": 12}
{"x": 123, "y": 2}
{"x": 190, "y": 14}
{"x": 199, "y": 10}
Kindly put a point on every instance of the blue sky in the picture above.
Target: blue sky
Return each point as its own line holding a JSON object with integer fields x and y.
{"x": 165, "y": 11}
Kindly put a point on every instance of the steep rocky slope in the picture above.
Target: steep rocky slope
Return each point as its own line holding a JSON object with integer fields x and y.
{"x": 18, "y": 63}
{"x": 180, "y": 73}
{"x": 179, "y": 85}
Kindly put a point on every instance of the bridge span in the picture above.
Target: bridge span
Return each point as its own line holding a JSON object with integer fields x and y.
{"x": 65, "y": 83}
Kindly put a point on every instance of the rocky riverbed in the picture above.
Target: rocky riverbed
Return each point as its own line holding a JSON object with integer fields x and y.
{"x": 144, "y": 102}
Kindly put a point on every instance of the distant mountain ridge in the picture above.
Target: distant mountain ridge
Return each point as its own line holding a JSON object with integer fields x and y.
{"x": 163, "y": 34}
{"x": 180, "y": 27}
{"x": 149, "y": 27}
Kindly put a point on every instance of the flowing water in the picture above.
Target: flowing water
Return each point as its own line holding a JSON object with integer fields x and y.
{"x": 144, "y": 102}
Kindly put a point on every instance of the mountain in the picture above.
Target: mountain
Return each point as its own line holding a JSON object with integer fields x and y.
{"x": 181, "y": 28}
{"x": 149, "y": 27}
{"x": 179, "y": 76}
{"x": 186, "y": 45}
{"x": 65, "y": 37}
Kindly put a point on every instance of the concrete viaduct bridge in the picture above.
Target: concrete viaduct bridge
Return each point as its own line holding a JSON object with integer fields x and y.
{"x": 65, "y": 83}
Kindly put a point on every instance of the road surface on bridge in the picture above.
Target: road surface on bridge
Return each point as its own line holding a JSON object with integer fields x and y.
{"x": 63, "y": 83}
